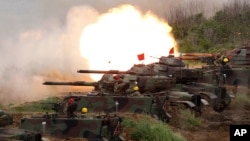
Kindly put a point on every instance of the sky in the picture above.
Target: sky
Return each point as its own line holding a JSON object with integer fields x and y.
{"x": 39, "y": 39}
{"x": 21, "y": 15}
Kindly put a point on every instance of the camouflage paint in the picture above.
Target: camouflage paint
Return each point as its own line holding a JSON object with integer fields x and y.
{"x": 59, "y": 126}
{"x": 107, "y": 104}
{"x": 5, "y": 118}
{"x": 7, "y": 134}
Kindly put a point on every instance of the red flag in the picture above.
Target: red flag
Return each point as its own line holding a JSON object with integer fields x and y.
{"x": 140, "y": 56}
{"x": 171, "y": 51}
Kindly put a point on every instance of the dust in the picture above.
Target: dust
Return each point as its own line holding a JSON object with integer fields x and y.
{"x": 50, "y": 52}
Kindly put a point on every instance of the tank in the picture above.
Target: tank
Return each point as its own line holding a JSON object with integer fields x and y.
{"x": 133, "y": 92}
{"x": 230, "y": 68}
{"x": 7, "y": 133}
{"x": 195, "y": 81}
{"x": 236, "y": 70}
{"x": 222, "y": 72}
{"x": 5, "y": 118}
{"x": 170, "y": 73}
{"x": 80, "y": 125}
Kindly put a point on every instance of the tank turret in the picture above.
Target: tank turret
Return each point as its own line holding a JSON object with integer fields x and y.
{"x": 142, "y": 76}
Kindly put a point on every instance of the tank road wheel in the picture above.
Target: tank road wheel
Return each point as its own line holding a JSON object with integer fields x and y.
{"x": 222, "y": 101}
{"x": 207, "y": 98}
{"x": 196, "y": 99}
{"x": 207, "y": 108}
{"x": 219, "y": 105}
{"x": 162, "y": 108}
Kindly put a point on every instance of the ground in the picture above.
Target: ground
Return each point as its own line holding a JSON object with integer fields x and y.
{"x": 215, "y": 126}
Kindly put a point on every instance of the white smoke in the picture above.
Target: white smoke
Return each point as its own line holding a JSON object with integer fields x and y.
{"x": 46, "y": 53}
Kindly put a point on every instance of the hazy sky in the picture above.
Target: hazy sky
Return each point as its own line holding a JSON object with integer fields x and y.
{"x": 20, "y": 15}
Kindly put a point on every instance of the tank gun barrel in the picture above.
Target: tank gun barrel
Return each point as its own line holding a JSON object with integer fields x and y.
{"x": 196, "y": 56}
{"x": 200, "y": 54}
{"x": 104, "y": 72}
{"x": 76, "y": 83}
{"x": 114, "y": 72}
{"x": 208, "y": 58}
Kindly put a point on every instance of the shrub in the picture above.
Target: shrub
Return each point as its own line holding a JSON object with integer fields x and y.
{"x": 147, "y": 129}
{"x": 188, "y": 119}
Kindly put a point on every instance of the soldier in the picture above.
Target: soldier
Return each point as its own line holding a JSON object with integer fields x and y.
{"x": 71, "y": 108}
{"x": 119, "y": 86}
{"x": 105, "y": 84}
{"x": 133, "y": 88}
{"x": 136, "y": 91}
{"x": 84, "y": 112}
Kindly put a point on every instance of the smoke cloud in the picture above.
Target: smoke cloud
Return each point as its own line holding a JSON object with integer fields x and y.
{"x": 47, "y": 53}
{"x": 40, "y": 46}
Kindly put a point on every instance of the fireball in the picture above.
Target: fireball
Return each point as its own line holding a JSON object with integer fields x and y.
{"x": 120, "y": 35}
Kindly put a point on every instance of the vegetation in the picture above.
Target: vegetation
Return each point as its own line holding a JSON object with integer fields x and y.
{"x": 241, "y": 99}
{"x": 188, "y": 119}
{"x": 145, "y": 128}
{"x": 228, "y": 28}
{"x": 1, "y": 106}
{"x": 37, "y": 106}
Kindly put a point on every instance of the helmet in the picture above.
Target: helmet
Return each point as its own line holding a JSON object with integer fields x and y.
{"x": 225, "y": 60}
{"x": 136, "y": 88}
{"x": 71, "y": 100}
{"x": 84, "y": 110}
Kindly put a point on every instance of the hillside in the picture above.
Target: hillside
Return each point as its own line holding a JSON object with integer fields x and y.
{"x": 227, "y": 29}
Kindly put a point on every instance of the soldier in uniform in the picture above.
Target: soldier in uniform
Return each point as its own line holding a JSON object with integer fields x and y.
{"x": 71, "y": 108}
{"x": 119, "y": 84}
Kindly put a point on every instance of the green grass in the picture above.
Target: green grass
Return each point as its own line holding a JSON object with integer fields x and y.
{"x": 1, "y": 106}
{"x": 188, "y": 119}
{"x": 37, "y": 106}
{"x": 240, "y": 100}
{"x": 147, "y": 129}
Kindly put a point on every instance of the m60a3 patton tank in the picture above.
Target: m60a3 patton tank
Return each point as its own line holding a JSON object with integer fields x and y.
{"x": 193, "y": 81}
{"x": 7, "y": 134}
{"x": 230, "y": 68}
{"x": 226, "y": 70}
{"x": 126, "y": 91}
{"x": 180, "y": 79}
{"x": 234, "y": 66}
